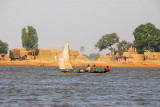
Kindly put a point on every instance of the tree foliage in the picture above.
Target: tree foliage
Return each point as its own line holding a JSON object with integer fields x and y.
{"x": 123, "y": 46}
{"x": 29, "y": 38}
{"x": 92, "y": 56}
{"x": 82, "y": 49}
{"x": 147, "y": 38}
{"x": 107, "y": 41}
{"x": 3, "y": 47}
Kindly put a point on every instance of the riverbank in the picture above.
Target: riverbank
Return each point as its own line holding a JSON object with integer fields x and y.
{"x": 140, "y": 64}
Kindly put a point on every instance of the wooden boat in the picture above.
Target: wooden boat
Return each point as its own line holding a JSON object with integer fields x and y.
{"x": 98, "y": 71}
{"x": 68, "y": 71}
{"x": 65, "y": 65}
{"x": 81, "y": 71}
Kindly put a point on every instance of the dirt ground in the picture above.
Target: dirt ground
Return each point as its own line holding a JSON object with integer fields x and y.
{"x": 140, "y": 64}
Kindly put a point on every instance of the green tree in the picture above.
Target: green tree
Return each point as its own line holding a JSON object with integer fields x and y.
{"x": 129, "y": 44}
{"x": 123, "y": 46}
{"x": 94, "y": 56}
{"x": 3, "y": 47}
{"x": 82, "y": 49}
{"x": 30, "y": 39}
{"x": 147, "y": 38}
{"x": 107, "y": 41}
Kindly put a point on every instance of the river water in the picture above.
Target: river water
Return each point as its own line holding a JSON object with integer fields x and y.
{"x": 47, "y": 87}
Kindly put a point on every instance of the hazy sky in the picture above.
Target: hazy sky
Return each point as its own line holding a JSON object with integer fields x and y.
{"x": 80, "y": 22}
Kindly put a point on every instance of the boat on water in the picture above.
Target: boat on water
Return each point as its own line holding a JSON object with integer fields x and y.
{"x": 65, "y": 65}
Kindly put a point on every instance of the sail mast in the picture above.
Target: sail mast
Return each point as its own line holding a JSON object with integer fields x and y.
{"x": 63, "y": 58}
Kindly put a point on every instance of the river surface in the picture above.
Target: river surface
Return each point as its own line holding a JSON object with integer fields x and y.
{"x": 47, "y": 87}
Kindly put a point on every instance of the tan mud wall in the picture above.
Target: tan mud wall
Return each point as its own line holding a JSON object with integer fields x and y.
{"x": 138, "y": 57}
{"x": 72, "y": 57}
{"x": 128, "y": 54}
{"x": 80, "y": 58}
{"x": 46, "y": 57}
{"x": 152, "y": 55}
{"x": 105, "y": 58}
{"x": 47, "y": 54}
{"x": 73, "y": 52}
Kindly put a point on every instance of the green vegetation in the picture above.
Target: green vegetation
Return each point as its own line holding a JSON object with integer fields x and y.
{"x": 30, "y": 39}
{"x": 82, "y": 49}
{"x": 147, "y": 38}
{"x": 123, "y": 46}
{"x": 3, "y": 47}
{"x": 107, "y": 41}
{"x": 92, "y": 56}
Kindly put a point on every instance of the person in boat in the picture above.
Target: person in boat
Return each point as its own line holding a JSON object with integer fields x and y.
{"x": 88, "y": 69}
{"x": 107, "y": 69}
{"x": 95, "y": 68}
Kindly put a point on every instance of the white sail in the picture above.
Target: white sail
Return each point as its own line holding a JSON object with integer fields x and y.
{"x": 63, "y": 58}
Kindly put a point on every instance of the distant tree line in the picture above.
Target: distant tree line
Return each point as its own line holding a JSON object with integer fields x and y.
{"x": 147, "y": 39}
{"x": 92, "y": 56}
{"x": 107, "y": 41}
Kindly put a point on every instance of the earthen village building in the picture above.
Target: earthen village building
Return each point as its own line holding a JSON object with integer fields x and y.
{"x": 51, "y": 55}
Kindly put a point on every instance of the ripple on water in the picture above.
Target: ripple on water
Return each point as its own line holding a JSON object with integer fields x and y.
{"x": 45, "y": 86}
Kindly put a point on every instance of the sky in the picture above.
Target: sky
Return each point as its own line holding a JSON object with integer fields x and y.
{"x": 79, "y": 22}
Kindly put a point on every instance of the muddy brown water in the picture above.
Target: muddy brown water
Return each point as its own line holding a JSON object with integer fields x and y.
{"x": 46, "y": 86}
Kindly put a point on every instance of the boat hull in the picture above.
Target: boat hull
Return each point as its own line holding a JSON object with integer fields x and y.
{"x": 81, "y": 71}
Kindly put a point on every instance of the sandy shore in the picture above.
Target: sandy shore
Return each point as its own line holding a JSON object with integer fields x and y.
{"x": 141, "y": 64}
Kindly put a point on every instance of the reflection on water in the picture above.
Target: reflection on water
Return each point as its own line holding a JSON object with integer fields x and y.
{"x": 46, "y": 86}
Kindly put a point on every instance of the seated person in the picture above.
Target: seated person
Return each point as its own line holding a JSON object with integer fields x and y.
{"x": 107, "y": 69}
{"x": 88, "y": 69}
{"x": 95, "y": 68}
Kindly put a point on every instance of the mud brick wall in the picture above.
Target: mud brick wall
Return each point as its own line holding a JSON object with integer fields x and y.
{"x": 105, "y": 58}
{"x": 138, "y": 57}
{"x": 80, "y": 57}
{"x": 152, "y": 55}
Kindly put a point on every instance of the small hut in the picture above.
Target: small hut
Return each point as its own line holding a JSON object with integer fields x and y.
{"x": 14, "y": 54}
